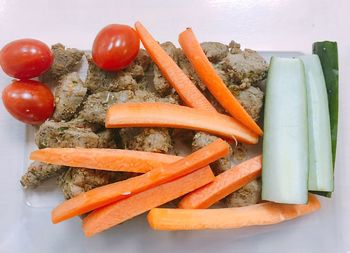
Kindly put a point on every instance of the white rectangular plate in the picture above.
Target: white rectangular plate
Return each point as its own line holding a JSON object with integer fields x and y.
{"x": 26, "y": 226}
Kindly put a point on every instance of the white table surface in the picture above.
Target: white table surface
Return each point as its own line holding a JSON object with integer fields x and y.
{"x": 271, "y": 25}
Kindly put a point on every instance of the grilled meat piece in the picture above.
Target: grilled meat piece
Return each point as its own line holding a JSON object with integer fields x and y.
{"x": 69, "y": 95}
{"x": 161, "y": 85}
{"x": 65, "y": 60}
{"x": 38, "y": 172}
{"x": 96, "y": 105}
{"x": 202, "y": 139}
{"x": 98, "y": 80}
{"x": 146, "y": 139}
{"x": 252, "y": 101}
{"x": 107, "y": 138}
{"x": 140, "y": 65}
{"x": 249, "y": 194}
{"x": 186, "y": 67}
{"x": 63, "y": 135}
{"x": 147, "y": 96}
{"x": 215, "y": 51}
{"x": 243, "y": 68}
{"x": 78, "y": 180}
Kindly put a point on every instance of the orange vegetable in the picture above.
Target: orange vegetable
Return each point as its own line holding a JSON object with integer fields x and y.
{"x": 212, "y": 80}
{"x": 116, "y": 213}
{"x": 104, "y": 159}
{"x": 224, "y": 218}
{"x": 187, "y": 91}
{"x": 176, "y": 116}
{"x": 110, "y": 193}
{"x": 224, "y": 184}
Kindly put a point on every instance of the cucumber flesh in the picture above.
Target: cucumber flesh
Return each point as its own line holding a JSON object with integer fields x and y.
{"x": 320, "y": 146}
{"x": 285, "y": 145}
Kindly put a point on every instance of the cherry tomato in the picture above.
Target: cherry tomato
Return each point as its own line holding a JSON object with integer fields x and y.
{"x": 115, "y": 47}
{"x": 29, "y": 101}
{"x": 25, "y": 58}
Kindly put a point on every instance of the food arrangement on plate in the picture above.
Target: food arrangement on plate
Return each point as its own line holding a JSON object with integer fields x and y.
{"x": 175, "y": 131}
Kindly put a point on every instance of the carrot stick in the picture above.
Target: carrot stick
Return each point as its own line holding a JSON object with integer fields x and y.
{"x": 116, "y": 213}
{"x": 225, "y": 218}
{"x": 176, "y": 116}
{"x": 104, "y": 159}
{"x": 110, "y": 193}
{"x": 212, "y": 80}
{"x": 187, "y": 91}
{"x": 224, "y": 184}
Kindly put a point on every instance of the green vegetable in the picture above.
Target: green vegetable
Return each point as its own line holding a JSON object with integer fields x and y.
{"x": 328, "y": 53}
{"x": 285, "y": 146}
{"x": 320, "y": 146}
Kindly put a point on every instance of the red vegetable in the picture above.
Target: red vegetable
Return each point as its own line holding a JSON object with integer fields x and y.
{"x": 115, "y": 47}
{"x": 29, "y": 101}
{"x": 25, "y": 58}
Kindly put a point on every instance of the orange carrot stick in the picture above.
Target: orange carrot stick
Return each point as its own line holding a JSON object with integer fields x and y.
{"x": 104, "y": 159}
{"x": 187, "y": 91}
{"x": 225, "y": 218}
{"x": 125, "y": 209}
{"x": 212, "y": 80}
{"x": 224, "y": 184}
{"x": 176, "y": 116}
{"x": 110, "y": 193}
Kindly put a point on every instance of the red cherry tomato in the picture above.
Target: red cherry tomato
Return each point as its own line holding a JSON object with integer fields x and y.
{"x": 29, "y": 101}
{"x": 115, "y": 47}
{"x": 25, "y": 58}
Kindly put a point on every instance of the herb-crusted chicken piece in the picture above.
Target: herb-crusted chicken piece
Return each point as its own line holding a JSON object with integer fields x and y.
{"x": 78, "y": 180}
{"x": 140, "y": 65}
{"x": 146, "y": 139}
{"x": 107, "y": 138}
{"x": 161, "y": 85}
{"x": 249, "y": 194}
{"x": 200, "y": 140}
{"x": 186, "y": 67}
{"x": 215, "y": 51}
{"x": 38, "y": 172}
{"x": 65, "y": 60}
{"x": 98, "y": 80}
{"x": 69, "y": 95}
{"x": 243, "y": 68}
{"x": 147, "y": 96}
{"x": 63, "y": 135}
{"x": 96, "y": 105}
{"x": 70, "y": 134}
{"x": 252, "y": 101}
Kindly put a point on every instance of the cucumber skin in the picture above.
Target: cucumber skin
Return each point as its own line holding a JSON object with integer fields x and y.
{"x": 327, "y": 51}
